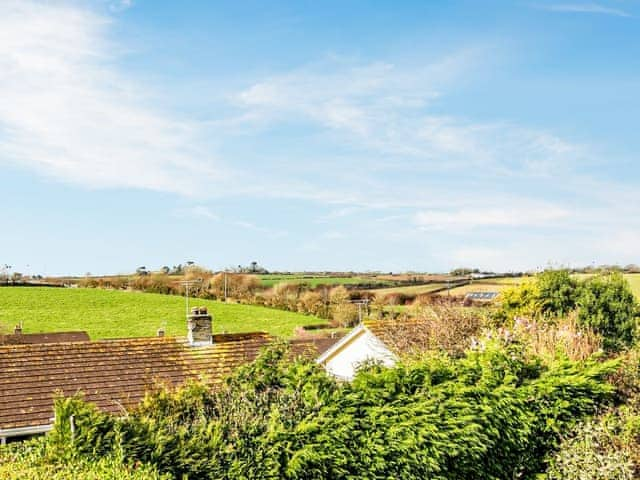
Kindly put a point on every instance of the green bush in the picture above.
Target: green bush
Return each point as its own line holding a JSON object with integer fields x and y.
{"x": 31, "y": 461}
{"x": 597, "y": 450}
{"x": 493, "y": 414}
{"x": 604, "y": 303}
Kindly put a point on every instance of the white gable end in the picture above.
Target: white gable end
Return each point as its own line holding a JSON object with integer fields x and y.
{"x": 359, "y": 346}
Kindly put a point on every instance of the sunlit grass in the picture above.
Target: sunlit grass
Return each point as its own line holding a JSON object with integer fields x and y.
{"x": 116, "y": 314}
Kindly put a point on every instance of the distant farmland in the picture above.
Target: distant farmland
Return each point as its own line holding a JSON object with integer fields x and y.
{"x": 411, "y": 289}
{"x": 117, "y": 314}
{"x": 499, "y": 284}
{"x": 314, "y": 281}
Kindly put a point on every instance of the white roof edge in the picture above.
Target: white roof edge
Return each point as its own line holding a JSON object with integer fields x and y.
{"x": 340, "y": 343}
{"x": 19, "y": 431}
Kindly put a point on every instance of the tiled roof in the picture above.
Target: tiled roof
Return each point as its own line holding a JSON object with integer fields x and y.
{"x": 111, "y": 373}
{"x": 313, "y": 346}
{"x": 55, "y": 337}
{"x": 385, "y": 328}
{"x": 402, "y": 336}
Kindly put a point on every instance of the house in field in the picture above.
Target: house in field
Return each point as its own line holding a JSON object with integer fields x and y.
{"x": 116, "y": 374}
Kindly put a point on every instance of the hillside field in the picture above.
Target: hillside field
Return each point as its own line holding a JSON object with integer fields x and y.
{"x": 117, "y": 314}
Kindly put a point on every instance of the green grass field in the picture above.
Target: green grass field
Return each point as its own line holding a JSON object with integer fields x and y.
{"x": 116, "y": 314}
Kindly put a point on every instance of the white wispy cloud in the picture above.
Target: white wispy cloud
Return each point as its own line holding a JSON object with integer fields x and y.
{"x": 504, "y": 216}
{"x": 65, "y": 110}
{"x": 585, "y": 8}
{"x": 120, "y": 5}
{"x": 387, "y": 109}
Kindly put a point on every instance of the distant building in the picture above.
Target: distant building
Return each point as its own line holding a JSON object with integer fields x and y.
{"x": 479, "y": 298}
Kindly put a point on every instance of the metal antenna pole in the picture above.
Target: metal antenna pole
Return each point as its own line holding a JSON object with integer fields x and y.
{"x": 187, "y": 284}
{"x": 186, "y": 298}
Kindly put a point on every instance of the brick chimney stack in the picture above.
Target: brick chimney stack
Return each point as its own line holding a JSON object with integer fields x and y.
{"x": 199, "y": 327}
{"x": 17, "y": 330}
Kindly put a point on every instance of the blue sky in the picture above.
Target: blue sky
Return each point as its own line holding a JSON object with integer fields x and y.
{"x": 318, "y": 135}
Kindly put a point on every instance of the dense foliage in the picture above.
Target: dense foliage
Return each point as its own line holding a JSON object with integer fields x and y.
{"x": 33, "y": 461}
{"x": 493, "y": 414}
{"x": 607, "y": 448}
{"x": 603, "y": 303}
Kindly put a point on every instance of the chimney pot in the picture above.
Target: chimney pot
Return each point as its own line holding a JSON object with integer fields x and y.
{"x": 17, "y": 330}
{"x": 160, "y": 332}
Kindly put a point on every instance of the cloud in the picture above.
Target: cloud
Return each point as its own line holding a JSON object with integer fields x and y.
{"x": 506, "y": 216}
{"x": 585, "y": 8}
{"x": 387, "y": 110}
{"x": 65, "y": 110}
{"x": 120, "y": 5}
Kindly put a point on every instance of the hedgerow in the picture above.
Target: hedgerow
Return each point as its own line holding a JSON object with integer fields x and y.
{"x": 493, "y": 414}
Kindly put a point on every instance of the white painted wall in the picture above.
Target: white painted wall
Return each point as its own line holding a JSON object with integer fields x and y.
{"x": 364, "y": 346}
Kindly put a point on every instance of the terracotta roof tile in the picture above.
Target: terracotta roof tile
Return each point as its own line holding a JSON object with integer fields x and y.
{"x": 111, "y": 373}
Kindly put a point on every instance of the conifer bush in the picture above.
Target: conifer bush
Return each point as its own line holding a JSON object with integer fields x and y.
{"x": 495, "y": 413}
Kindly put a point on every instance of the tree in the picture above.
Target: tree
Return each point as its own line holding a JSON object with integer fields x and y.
{"x": 142, "y": 271}
{"x": 557, "y": 293}
{"x": 165, "y": 270}
{"x": 606, "y": 304}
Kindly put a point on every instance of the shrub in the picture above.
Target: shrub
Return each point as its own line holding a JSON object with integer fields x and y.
{"x": 238, "y": 285}
{"x": 345, "y": 314}
{"x": 444, "y": 328}
{"x": 604, "y": 304}
{"x": 31, "y": 461}
{"x": 557, "y": 293}
{"x": 312, "y": 303}
{"x": 563, "y": 337}
{"x": 492, "y": 414}
{"x": 607, "y": 305}
{"x": 339, "y": 295}
{"x": 594, "y": 451}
